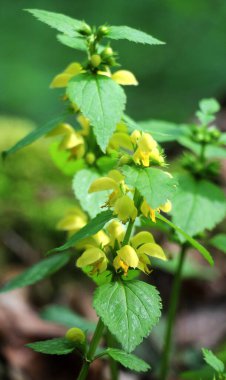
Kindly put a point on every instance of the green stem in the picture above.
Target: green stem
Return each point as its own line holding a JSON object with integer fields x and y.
{"x": 91, "y": 352}
{"x": 171, "y": 316}
{"x": 112, "y": 363}
{"x": 128, "y": 232}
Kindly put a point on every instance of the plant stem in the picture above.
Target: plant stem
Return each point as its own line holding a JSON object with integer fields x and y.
{"x": 112, "y": 363}
{"x": 171, "y": 315}
{"x": 128, "y": 232}
{"x": 91, "y": 352}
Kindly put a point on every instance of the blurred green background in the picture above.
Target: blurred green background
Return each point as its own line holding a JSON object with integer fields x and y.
{"x": 172, "y": 77}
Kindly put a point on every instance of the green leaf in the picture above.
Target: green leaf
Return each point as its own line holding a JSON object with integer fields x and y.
{"x": 209, "y": 106}
{"x": 72, "y": 42}
{"x": 101, "y": 100}
{"x": 198, "y": 205}
{"x": 90, "y": 229}
{"x": 128, "y": 360}
{"x": 91, "y": 203}
{"x": 212, "y": 360}
{"x": 192, "y": 241}
{"x": 57, "y": 346}
{"x": 162, "y": 131}
{"x": 66, "y": 317}
{"x": 33, "y": 136}
{"x": 37, "y": 272}
{"x": 219, "y": 242}
{"x": 155, "y": 185}
{"x": 129, "y": 310}
{"x": 211, "y": 151}
{"x": 62, "y": 23}
{"x": 131, "y": 34}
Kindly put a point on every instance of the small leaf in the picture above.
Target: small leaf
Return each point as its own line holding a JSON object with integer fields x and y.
{"x": 212, "y": 360}
{"x": 129, "y": 310}
{"x": 209, "y": 106}
{"x": 198, "y": 205}
{"x": 33, "y": 136}
{"x": 57, "y": 346}
{"x": 90, "y": 202}
{"x": 72, "y": 42}
{"x": 131, "y": 34}
{"x": 37, "y": 272}
{"x": 101, "y": 100}
{"x": 62, "y": 23}
{"x": 192, "y": 241}
{"x": 219, "y": 242}
{"x": 128, "y": 360}
{"x": 90, "y": 229}
{"x": 66, "y": 317}
{"x": 155, "y": 185}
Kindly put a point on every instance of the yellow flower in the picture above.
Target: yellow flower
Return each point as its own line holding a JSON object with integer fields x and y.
{"x": 124, "y": 77}
{"x": 116, "y": 232}
{"x": 150, "y": 212}
{"x": 62, "y": 79}
{"x": 126, "y": 258}
{"x": 125, "y": 209}
{"x": 73, "y": 221}
{"x": 94, "y": 257}
{"x": 85, "y": 124}
{"x": 146, "y": 150}
{"x": 71, "y": 139}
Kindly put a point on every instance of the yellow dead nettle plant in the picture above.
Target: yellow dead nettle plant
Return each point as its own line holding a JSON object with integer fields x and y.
{"x": 123, "y": 206}
{"x": 136, "y": 254}
{"x": 146, "y": 149}
{"x": 150, "y": 212}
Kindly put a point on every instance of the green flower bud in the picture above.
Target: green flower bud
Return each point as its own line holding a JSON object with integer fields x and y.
{"x": 85, "y": 30}
{"x": 95, "y": 60}
{"x": 107, "y": 52}
{"x": 90, "y": 158}
{"x": 75, "y": 335}
{"x": 102, "y": 31}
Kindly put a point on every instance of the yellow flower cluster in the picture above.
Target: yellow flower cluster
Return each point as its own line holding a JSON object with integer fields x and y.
{"x": 146, "y": 149}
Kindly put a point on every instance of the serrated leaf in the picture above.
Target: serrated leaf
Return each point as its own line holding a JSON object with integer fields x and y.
{"x": 95, "y": 225}
{"x": 155, "y": 185}
{"x": 33, "y": 136}
{"x": 62, "y": 23}
{"x": 72, "y": 42}
{"x": 219, "y": 242}
{"x": 37, "y": 272}
{"x": 198, "y": 205}
{"x": 212, "y": 360}
{"x": 129, "y": 310}
{"x": 66, "y": 317}
{"x": 57, "y": 346}
{"x": 101, "y": 100}
{"x": 128, "y": 360}
{"x": 192, "y": 241}
{"x": 131, "y": 34}
{"x": 90, "y": 202}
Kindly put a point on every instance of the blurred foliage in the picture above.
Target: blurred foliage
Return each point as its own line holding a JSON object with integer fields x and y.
{"x": 33, "y": 193}
{"x": 172, "y": 77}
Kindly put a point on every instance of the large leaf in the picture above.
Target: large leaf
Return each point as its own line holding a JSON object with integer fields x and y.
{"x": 131, "y": 34}
{"x": 162, "y": 131}
{"x": 198, "y": 205}
{"x": 90, "y": 229}
{"x": 129, "y": 310}
{"x": 33, "y": 136}
{"x": 57, "y": 346}
{"x": 212, "y": 360}
{"x": 128, "y": 360}
{"x": 62, "y": 23}
{"x": 101, "y": 100}
{"x": 66, "y": 317}
{"x": 155, "y": 185}
{"x": 72, "y": 42}
{"x": 37, "y": 272}
{"x": 219, "y": 242}
{"x": 91, "y": 203}
{"x": 192, "y": 241}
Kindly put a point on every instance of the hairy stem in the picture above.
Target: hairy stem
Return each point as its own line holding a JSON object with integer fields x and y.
{"x": 171, "y": 315}
{"x": 92, "y": 349}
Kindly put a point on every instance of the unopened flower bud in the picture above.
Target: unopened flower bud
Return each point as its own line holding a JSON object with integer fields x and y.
{"x": 107, "y": 52}
{"x": 90, "y": 158}
{"x": 102, "y": 31}
{"x": 95, "y": 60}
{"x": 85, "y": 30}
{"x": 75, "y": 335}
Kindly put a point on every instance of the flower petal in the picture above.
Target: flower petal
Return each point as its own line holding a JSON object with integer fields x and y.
{"x": 142, "y": 238}
{"x": 101, "y": 184}
{"x": 124, "y": 77}
{"x": 89, "y": 257}
{"x": 153, "y": 250}
{"x": 129, "y": 256}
